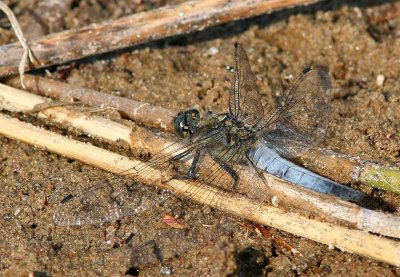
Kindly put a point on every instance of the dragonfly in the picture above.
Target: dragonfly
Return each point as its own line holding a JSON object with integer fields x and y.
{"x": 284, "y": 129}
{"x": 227, "y": 150}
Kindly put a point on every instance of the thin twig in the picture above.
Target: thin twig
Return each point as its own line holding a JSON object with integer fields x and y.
{"x": 351, "y": 240}
{"x": 339, "y": 167}
{"x": 143, "y": 113}
{"x": 24, "y": 62}
{"x": 136, "y": 29}
{"x": 307, "y": 202}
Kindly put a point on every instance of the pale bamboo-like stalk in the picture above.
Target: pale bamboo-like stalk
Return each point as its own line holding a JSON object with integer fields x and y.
{"x": 346, "y": 239}
{"x": 143, "y": 113}
{"x": 307, "y": 202}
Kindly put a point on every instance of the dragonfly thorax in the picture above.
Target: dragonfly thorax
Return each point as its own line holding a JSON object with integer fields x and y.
{"x": 237, "y": 131}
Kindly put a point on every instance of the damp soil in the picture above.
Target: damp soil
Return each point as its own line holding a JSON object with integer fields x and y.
{"x": 358, "y": 42}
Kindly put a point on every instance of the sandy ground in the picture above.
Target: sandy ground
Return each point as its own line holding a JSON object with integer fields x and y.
{"x": 357, "y": 42}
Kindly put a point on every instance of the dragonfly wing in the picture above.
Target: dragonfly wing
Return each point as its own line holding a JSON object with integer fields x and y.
{"x": 244, "y": 99}
{"x": 301, "y": 116}
{"x": 107, "y": 203}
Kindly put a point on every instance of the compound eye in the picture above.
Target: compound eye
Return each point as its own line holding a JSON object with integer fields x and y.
{"x": 185, "y": 123}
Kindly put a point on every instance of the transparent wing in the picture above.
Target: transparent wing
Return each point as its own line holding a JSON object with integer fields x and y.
{"x": 106, "y": 203}
{"x": 152, "y": 240}
{"x": 301, "y": 114}
{"x": 109, "y": 201}
{"x": 244, "y": 98}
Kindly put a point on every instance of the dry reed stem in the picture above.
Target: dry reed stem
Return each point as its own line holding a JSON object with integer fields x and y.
{"x": 307, "y": 202}
{"x": 143, "y": 113}
{"x": 138, "y": 28}
{"x": 350, "y": 240}
{"x": 339, "y": 167}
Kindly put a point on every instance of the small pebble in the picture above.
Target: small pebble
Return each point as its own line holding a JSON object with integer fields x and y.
{"x": 7, "y": 216}
{"x": 99, "y": 261}
{"x": 207, "y": 210}
{"x": 165, "y": 270}
{"x": 288, "y": 77}
{"x": 275, "y": 201}
{"x": 17, "y": 211}
{"x": 212, "y": 51}
{"x": 380, "y": 79}
{"x": 230, "y": 68}
{"x": 16, "y": 167}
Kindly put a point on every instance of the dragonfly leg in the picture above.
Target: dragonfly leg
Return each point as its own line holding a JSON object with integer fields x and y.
{"x": 181, "y": 155}
{"x": 228, "y": 170}
{"x": 193, "y": 166}
{"x": 192, "y": 170}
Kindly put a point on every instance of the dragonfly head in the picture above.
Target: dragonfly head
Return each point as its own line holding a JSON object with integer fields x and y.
{"x": 186, "y": 123}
